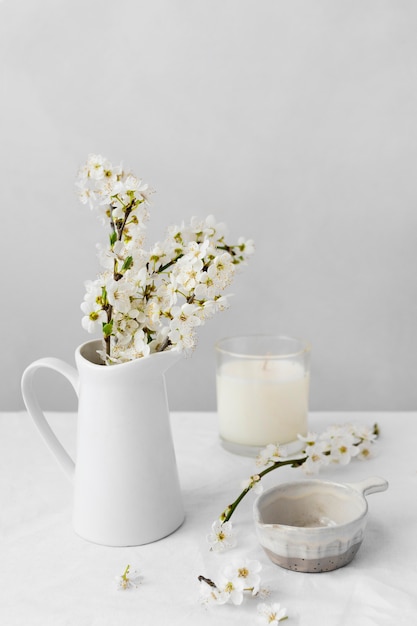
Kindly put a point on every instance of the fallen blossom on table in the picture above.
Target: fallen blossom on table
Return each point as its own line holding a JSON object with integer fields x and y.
{"x": 271, "y": 614}
{"x": 232, "y": 583}
{"x": 130, "y": 579}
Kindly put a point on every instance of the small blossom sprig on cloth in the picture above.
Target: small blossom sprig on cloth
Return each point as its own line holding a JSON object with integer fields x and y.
{"x": 150, "y": 301}
{"x": 232, "y": 582}
{"x": 271, "y": 614}
{"x": 128, "y": 580}
{"x": 337, "y": 444}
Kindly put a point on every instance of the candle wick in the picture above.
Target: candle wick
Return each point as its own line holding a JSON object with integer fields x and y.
{"x": 265, "y": 365}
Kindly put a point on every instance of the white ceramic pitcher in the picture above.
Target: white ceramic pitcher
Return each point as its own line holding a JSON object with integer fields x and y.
{"x": 126, "y": 487}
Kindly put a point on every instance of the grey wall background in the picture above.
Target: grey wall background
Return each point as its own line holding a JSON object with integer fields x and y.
{"x": 293, "y": 122}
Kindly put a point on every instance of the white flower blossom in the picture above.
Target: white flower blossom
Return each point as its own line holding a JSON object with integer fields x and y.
{"x": 93, "y": 291}
{"x": 118, "y": 295}
{"x": 309, "y": 440}
{"x": 221, "y": 270}
{"x": 210, "y": 594}
{"x": 365, "y": 450}
{"x": 128, "y": 580}
{"x": 107, "y": 256}
{"x": 271, "y": 614}
{"x": 194, "y": 254}
{"x": 245, "y": 571}
{"x": 141, "y": 346}
{"x": 232, "y": 582}
{"x": 184, "y": 320}
{"x": 230, "y": 588}
{"x": 343, "y": 448}
{"x": 247, "y": 246}
{"x": 152, "y": 312}
{"x": 272, "y": 453}
{"x": 87, "y": 196}
{"x": 189, "y": 275}
{"x": 206, "y": 288}
{"x": 94, "y": 316}
{"x": 222, "y": 536}
{"x": 167, "y": 294}
{"x": 95, "y": 165}
{"x": 211, "y": 307}
{"x": 317, "y": 457}
{"x": 364, "y": 433}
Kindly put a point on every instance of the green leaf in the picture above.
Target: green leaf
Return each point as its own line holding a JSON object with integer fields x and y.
{"x": 113, "y": 238}
{"x": 108, "y": 329}
{"x": 127, "y": 263}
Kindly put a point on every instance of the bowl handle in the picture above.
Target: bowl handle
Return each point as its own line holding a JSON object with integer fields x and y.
{"x": 370, "y": 485}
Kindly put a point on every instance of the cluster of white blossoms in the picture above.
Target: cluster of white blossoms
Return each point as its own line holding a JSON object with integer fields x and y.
{"x": 232, "y": 581}
{"x": 236, "y": 580}
{"x": 150, "y": 301}
{"x": 338, "y": 444}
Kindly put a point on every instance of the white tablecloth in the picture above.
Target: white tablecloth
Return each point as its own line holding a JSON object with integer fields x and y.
{"x": 49, "y": 576}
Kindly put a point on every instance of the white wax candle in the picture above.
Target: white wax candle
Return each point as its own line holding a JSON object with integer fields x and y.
{"x": 262, "y": 401}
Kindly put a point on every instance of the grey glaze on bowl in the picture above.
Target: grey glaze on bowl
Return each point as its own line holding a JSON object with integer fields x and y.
{"x": 314, "y": 525}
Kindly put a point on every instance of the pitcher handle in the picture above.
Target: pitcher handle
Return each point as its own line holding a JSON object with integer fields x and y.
{"x": 35, "y": 411}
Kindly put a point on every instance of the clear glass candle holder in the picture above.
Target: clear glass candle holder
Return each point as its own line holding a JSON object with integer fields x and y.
{"x": 262, "y": 391}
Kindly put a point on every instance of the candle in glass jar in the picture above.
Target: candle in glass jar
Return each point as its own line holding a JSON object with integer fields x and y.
{"x": 262, "y": 401}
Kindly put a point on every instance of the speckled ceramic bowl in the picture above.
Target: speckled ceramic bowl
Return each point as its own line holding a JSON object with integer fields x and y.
{"x": 314, "y": 525}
